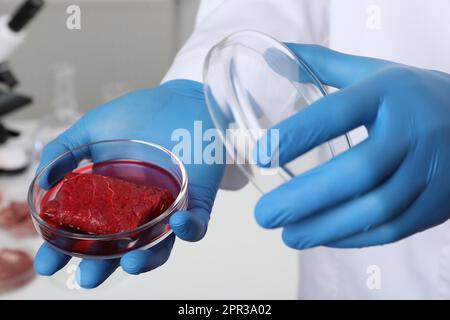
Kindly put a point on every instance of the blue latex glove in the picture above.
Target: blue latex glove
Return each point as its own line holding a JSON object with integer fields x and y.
{"x": 151, "y": 115}
{"x": 390, "y": 186}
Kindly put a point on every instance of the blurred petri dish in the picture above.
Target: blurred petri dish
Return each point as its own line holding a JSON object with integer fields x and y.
{"x": 252, "y": 82}
{"x": 16, "y": 264}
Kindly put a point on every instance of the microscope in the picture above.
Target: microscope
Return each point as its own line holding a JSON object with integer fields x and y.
{"x": 12, "y": 34}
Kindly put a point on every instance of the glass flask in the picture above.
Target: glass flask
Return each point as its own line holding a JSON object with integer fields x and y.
{"x": 65, "y": 109}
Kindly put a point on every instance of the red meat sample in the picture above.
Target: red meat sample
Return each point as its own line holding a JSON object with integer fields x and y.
{"x": 16, "y": 218}
{"x": 16, "y": 269}
{"x": 97, "y": 204}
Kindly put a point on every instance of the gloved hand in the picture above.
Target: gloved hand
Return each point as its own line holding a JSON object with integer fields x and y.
{"x": 151, "y": 115}
{"x": 390, "y": 186}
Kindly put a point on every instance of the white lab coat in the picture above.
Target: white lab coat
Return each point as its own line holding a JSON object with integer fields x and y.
{"x": 414, "y": 32}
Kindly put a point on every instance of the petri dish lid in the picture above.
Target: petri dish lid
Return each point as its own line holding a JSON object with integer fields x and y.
{"x": 252, "y": 82}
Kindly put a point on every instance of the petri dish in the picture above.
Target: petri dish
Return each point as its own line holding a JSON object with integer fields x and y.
{"x": 16, "y": 264}
{"x": 139, "y": 162}
{"x": 252, "y": 82}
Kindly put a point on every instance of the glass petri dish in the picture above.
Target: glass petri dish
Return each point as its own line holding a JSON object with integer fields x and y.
{"x": 136, "y": 161}
{"x": 16, "y": 264}
{"x": 252, "y": 82}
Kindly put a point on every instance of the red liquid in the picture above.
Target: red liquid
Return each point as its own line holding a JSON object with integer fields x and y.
{"x": 133, "y": 171}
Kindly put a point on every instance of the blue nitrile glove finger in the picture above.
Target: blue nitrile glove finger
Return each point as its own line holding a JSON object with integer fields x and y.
{"x": 139, "y": 261}
{"x": 48, "y": 260}
{"x": 390, "y": 186}
{"x": 152, "y": 115}
{"x": 286, "y": 66}
{"x": 337, "y": 69}
{"x": 92, "y": 273}
{"x": 191, "y": 225}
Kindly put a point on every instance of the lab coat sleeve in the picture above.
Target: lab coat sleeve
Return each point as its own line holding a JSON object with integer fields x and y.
{"x": 302, "y": 21}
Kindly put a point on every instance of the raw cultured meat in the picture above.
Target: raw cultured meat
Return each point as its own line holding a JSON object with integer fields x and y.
{"x": 16, "y": 218}
{"x": 97, "y": 204}
{"x": 16, "y": 269}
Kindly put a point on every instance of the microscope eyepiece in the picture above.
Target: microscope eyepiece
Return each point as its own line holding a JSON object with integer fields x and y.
{"x": 24, "y": 14}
